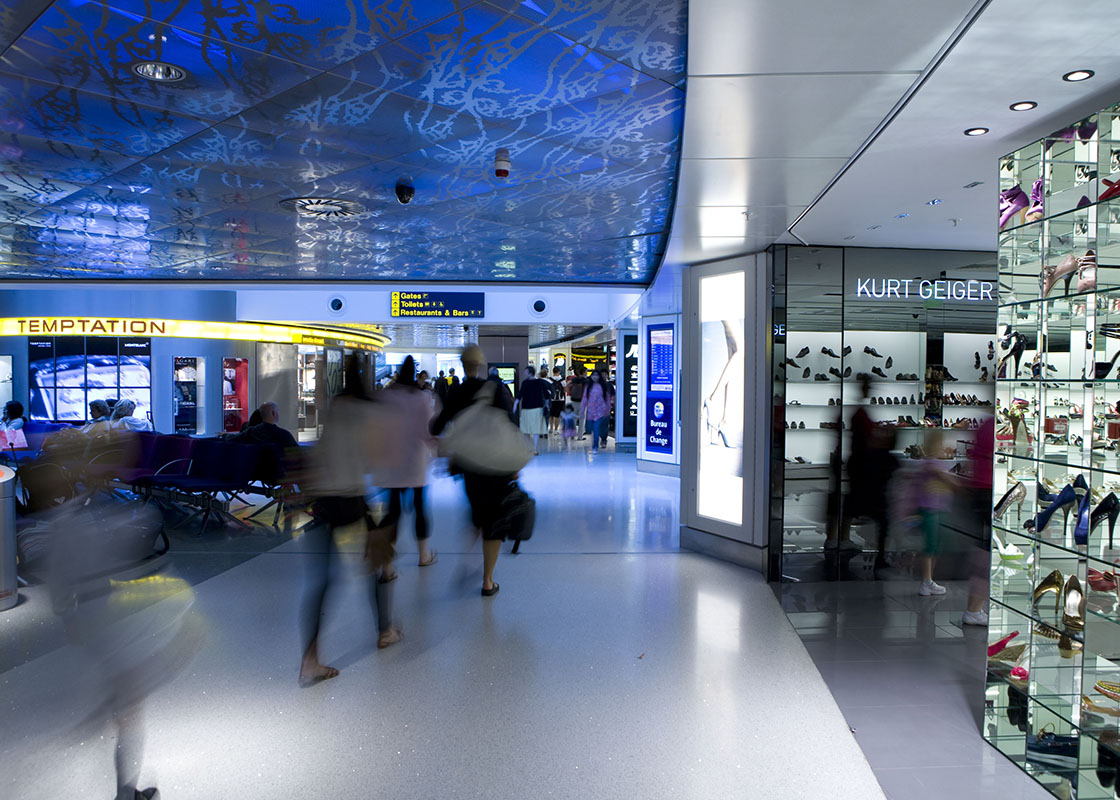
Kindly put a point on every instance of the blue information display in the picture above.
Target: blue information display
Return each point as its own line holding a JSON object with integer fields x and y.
{"x": 659, "y": 397}
{"x": 451, "y": 305}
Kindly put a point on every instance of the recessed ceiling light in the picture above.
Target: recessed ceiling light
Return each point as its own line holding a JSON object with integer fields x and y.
{"x": 848, "y": 238}
{"x": 1023, "y": 105}
{"x": 873, "y": 227}
{"x": 1078, "y": 75}
{"x": 934, "y": 202}
{"x": 322, "y": 207}
{"x": 973, "y": 185}
{"x": 159, "y": 71}
{"x": 903, "y": 215}
{"x": 975, "y": 131}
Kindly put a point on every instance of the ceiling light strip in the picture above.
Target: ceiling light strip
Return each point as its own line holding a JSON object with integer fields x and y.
{"x": 953, "y": 40}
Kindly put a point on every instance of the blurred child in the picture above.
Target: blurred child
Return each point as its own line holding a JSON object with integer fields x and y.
{"x": 932, "y": 493}
{"x": 568, "y": 422}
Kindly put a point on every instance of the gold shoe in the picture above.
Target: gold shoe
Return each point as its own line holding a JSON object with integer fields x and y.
{"x": 1074, "y": 615}
{"x": 1089, "y": 705}
{"x": 1051, "y": 583}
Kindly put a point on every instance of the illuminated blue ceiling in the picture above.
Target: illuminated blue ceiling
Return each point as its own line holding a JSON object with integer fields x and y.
{"x": 104, "y": 174}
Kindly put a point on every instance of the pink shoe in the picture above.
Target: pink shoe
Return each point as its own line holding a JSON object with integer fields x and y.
{"x": 1011, "y": 202}
{"x": 1087, "y": 278}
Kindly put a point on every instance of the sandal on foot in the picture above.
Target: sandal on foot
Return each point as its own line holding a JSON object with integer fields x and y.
{"x": 491, "y": 591}
{"x": 392, "y": 576}
{"x": 389, "y": 637}
{"x": 431, "y": 559}
{"x": 311, "y": 680}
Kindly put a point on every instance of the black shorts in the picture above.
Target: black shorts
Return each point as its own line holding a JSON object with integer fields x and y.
{"x": 556, "y": 409}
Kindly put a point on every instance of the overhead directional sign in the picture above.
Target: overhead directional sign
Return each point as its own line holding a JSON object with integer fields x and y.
{"x": 454, "y": 305}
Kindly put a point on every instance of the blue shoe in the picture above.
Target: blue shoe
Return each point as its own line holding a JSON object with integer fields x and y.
{"x": 1064, "y": 502}
{"x": 1081, "y": 529}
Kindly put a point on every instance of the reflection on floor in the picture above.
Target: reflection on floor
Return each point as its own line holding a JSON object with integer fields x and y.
{"x": 609, "y": 666}
{"x": 909, "y": 680}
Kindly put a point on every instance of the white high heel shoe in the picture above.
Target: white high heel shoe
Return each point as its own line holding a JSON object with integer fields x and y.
{"x": 1007, "y": 552}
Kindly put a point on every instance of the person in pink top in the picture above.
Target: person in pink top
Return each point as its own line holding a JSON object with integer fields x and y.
{"x": 408, "y": 414}
{"x": 598, "y": 404}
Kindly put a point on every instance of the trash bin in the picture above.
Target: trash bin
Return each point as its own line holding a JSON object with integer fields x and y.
{"x": 8, "y": 586}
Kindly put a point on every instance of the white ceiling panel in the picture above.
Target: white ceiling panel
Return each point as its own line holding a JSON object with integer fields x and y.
{"x": 786, "y": 116}
{"x": 922, "y": 154}
{"x": 768, "y": 36}
{"x": 754, "y": 181}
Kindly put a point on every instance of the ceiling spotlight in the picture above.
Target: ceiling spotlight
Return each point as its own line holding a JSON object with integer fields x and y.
{"x": 975, "y": 131}
{"x": 1078, "y": 75}
{"x": 322, "y": 207}
{"x": 934, "y": 202}
{"x": 973, "y": 185}
{"x": 159, "y": 71}
{"x": 903, "y": 215}
{"x": 848, "y": 238}
{"x": 873, "y": 227}
{"x": 1023, "y": 105}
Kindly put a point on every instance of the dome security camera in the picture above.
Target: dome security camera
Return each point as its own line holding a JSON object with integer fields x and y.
{"x": 538, "y": 307}
{"x": 336, "y": 305}
{"x": 405, "y": 191}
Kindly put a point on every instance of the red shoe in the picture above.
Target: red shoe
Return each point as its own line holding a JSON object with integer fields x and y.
{"x": 1112, "y": 191}
{"x": 1102, "y": 581}
{"x": 993, "y": 649}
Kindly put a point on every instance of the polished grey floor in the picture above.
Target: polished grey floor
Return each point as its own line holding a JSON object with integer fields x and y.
{"x": 610, "y": 666}
{"x": 909, "y": 680}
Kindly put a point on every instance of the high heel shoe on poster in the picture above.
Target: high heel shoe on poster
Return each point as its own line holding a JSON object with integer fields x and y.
{"x": 1016, "y": 494}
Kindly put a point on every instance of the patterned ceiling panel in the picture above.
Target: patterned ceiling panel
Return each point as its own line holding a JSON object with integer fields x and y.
{"x": 106, "y": 174}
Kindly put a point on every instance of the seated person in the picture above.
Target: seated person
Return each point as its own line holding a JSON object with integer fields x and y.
{"x": 122, "y": 419}
{"x": 98, "y": 424}
{"x": 13, "y": 418}
{"x": 268, "y": 432}
{"x": 254, "y": 419}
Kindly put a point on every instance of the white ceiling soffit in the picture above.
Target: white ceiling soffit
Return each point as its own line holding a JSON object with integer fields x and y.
{"x": 780, "y": 97}
{"x": 1016, "y": 50}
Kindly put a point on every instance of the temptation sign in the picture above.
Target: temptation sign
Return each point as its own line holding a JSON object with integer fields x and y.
{"x": 904, "y": 288}
{"x": 95, "y": 326}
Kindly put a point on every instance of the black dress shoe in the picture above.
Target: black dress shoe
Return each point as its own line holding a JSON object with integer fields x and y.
{"x": 890, "y": 362}
{"x": 911, "y": 398}
{"x": 792, "y": 363}
{"x": 806, "y": 373}
{"x": 801, "y": 425}
{"x": 976, "y": 365}
{"x": 948, "y": 375}
{"x": 991, "y": 351}
{"x": 847, "y": 350}
{"x": 889, "y": 401}
{"x": 871, "y": 352}
{"x": 828, "y": 352}
{"x": 879, "y": 372}
{"x": 804, "y": 351}
{"x": 819, "y": 377}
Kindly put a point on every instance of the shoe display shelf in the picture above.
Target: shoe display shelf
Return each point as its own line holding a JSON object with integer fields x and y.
{"x": 1052, "y": 700}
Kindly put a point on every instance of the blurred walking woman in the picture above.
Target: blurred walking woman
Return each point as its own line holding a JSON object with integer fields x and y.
{"x": 408, "y": 410}
{"x": 348, "y": 450}
{"x": 598, "y": 403}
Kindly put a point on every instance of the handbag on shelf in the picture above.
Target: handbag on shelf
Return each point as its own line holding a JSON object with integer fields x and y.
{"x": 481, "y": 438}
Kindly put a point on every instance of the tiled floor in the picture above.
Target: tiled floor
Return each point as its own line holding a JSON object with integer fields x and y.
{"x": 609, "y": 666}
{"x": 909, "y": 681}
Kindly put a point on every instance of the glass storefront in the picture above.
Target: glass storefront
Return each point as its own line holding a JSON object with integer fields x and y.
{"x": 888, "y": 354}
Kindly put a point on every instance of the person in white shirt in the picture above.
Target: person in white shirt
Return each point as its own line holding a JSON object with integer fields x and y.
{"x": 122, "y": 419}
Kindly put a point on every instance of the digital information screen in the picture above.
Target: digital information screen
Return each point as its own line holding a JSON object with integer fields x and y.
{"x": 66, "y": 373}
{"x": 448, "y": 305}
{"x": 660, "y": 421}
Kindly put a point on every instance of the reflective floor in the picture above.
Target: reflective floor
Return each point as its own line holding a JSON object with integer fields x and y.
{"x": 609, "y": 666}
{"x": 910, "y": 681}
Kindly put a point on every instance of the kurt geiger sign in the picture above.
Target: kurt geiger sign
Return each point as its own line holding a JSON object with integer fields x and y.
{"x": 969, "y": 291}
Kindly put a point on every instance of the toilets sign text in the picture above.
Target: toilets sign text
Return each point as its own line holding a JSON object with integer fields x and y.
{"x": 971, "y": 291}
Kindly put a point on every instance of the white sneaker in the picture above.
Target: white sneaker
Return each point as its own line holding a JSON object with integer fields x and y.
{"x": 929, "y": 588}
{"x": 974, "y": 618}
